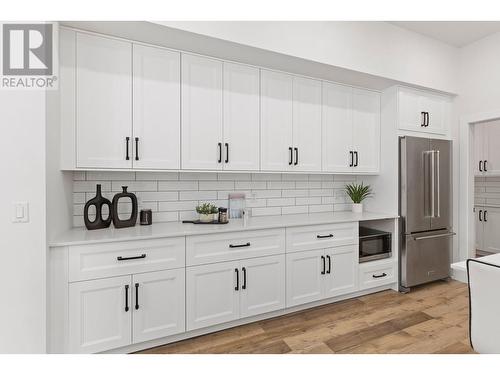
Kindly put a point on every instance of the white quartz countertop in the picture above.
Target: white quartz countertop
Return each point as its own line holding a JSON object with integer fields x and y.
{"x": 81, "y": 236}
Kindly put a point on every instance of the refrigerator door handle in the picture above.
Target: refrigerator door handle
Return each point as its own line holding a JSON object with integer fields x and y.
{"x": 434, "y": 236}
{"x": 438, "y": 184}
{"x": 433, "y": 183}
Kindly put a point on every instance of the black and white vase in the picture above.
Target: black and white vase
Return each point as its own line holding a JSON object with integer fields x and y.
{"x": 98, "y": 202}
{"x": 131, "y": 221}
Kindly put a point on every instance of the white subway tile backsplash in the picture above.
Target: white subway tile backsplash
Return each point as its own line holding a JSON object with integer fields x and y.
{"x": 280, "y": 202}
{"x": 307, "y": 201}
{"x": 281, "y": 185}
{"x": 90, "y": 186}
{"x": 115, "y": 176}
{"x": 157, "y": 176}
{"x": 266, "y": 211}
{"x": 197, "y": 176}
{"x": 321, "y": 208}
{"x": 158, "y": 196}
{"x": 173, "y": 196}
{"x": 134, "y": 185}
{"x": 177, "y": 185}
{"x": 197, "y": 195}
{"x": 216, "y": 185}
{"x": 295, "y": 193}
{"x": 249, "y": 185}
{"x": 294, "y": 210}
{"x": 234, "y": 176}
{"x": 177, "y": 206}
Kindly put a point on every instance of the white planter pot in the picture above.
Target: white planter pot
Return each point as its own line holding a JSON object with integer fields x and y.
{"x": 206, "y": 218}
{"x": 357, "y": 208}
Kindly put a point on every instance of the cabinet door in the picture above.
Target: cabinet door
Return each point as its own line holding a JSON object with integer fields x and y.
{"x": 341, "y": 270}
{"x": 409, "y": 110}
{"x": 158, "y": 304}
{"x": 100, "y": 314}
{"x": 304, "y": 278}
{"x": 491, "y": 149}
{"x": 478, "y": 212}
{"x": 201, "y": 113}
{"x": 262, "y": 285}
{"x": 435, "y": 106}
{"x": 307, "y": 124}
{"x": 103, "y": 102}
{"x": 480, "y": 143}
{"x": 211, "y": 295}
{"x": 336, "y": 128}
{"x": 491, "y": 222}
{"x": 241, "y": 117}
{"x": 366, "y": 130}
{"x": 156, "y": 98}
{"x": 276, "y": 121}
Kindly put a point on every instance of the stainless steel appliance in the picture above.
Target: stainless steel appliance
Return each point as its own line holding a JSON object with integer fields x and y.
{"x": 374, "y": 244}
{"x": 425, "y": 208}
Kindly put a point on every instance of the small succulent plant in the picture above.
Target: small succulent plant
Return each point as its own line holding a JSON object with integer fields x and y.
{"x": 206, "y": 209}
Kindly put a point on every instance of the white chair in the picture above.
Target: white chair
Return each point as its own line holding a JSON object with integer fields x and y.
{"x": 484, "y": 306}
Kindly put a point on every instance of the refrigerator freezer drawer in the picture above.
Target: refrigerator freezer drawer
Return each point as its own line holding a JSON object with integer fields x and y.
{"x": 425, "y": 257}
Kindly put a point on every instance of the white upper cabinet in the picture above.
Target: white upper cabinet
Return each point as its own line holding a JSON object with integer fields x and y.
{"x": 366, "y": 130}
{"x": 306, "y": 124}
{"x": 337, "y": 128}
{"x": 419, "y": 111}
{"x": 201, "y": 113}
{"x": 276, "y": 121}
{"x": 351, "y": 130}
{"x": 241, "y": 117}
{"x": 103, "y": 102}
{"x": 156, "y": 103}
{"x": 486, "y": 150}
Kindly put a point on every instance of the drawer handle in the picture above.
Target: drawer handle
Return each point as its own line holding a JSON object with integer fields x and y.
{"x": 324, "y": 236}
{"x": 130, "y": 258}
{"x": 244, "y": 245}
{"x": 379, "y": 276}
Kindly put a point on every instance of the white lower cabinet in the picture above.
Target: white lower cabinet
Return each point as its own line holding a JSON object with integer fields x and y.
{"x": 222, "y": 292}
{"x": 100, "y": 315}
{"x": 158, "y": 304}
{"x": 319, "y": 274}
{"x": 110, "y": 313}
{"x": 262, "y": 285}
{"x": 211, "y": 295}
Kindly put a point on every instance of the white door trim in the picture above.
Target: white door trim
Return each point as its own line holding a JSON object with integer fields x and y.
{"x": 466, "y": 232}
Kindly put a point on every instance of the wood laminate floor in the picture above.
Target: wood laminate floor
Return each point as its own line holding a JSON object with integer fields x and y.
{"x": 431, "y": 319}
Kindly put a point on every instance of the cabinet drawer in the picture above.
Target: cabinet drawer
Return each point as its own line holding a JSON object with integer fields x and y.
{"x": 122, "y": 258}
{"x": 315, "y": 237}
{"x": 213, "y": 248}
{"x": 371, "y": 276}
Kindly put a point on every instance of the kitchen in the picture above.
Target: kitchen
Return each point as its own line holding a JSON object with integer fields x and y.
{"x": 200, "y": 183}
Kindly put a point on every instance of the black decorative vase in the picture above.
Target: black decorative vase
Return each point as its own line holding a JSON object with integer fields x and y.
{"x": 98, "y": 201}
{"x": 131, "y": 221}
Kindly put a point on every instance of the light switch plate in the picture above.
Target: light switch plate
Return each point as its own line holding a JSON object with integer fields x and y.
{"x": 20, "y": 212}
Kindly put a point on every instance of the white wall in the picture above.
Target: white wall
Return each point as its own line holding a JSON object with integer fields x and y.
{"x": 22, "y": 245}
{"x": 376, "y": 48}
{"x": 479, "y": 76}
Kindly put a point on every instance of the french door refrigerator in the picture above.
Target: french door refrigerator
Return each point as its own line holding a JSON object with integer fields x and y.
{"x": 425, "y": 208}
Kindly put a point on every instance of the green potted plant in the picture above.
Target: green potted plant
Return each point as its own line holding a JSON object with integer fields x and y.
{"x": 206, "y": 211}
{"x": 358, "y": 193}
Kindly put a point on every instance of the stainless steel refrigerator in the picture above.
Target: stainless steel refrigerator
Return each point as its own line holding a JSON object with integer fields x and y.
{"x": 425, "y": 208}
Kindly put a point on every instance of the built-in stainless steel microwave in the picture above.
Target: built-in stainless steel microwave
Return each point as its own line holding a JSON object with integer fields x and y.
{"x": 374, "y": 244}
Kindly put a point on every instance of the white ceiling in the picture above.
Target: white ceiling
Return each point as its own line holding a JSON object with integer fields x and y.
{"x": 455, "y": 33}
